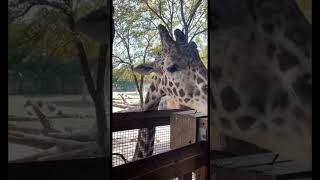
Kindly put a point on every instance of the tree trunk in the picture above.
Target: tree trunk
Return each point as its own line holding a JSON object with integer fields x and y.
{"x": 96, "y": 93}
{"x": 100, "y": 98}
{"x": 139, "y": 88}
{"x": 101, "y": 121}
{"x": 84, "y": 92}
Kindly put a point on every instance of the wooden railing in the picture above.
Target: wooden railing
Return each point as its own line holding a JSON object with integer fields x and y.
{"x": 174, "y": 163}
{"x": 189, "y": 149}
{"x": 138, "y": 120}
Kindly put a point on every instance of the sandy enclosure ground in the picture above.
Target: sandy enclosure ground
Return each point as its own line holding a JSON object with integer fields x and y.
{"x": 124, "y": 142}
{"x": 71, "y": 105}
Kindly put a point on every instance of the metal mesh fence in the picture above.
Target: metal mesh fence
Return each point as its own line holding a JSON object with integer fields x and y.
{"x": 124, "y": 144}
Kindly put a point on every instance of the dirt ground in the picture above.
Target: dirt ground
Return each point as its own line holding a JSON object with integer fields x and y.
{"x": 71, "y": 105}
{"x": 123, "y": 142}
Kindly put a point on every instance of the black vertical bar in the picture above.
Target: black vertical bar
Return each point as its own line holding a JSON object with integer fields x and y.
{"x": 109, "y": 64}
{"x": 209, "y": 94}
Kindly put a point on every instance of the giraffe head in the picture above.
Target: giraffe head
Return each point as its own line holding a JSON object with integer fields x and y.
{"x": 179, "y": 71}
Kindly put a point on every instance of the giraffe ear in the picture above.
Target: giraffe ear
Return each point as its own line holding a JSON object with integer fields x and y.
{"x": 145, "y": 68}
{"x": 166, "y": 39}
{"x": 193, "y": 45}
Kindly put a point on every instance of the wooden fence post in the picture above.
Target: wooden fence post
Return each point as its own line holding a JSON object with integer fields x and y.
{"x": 186, "y": 128}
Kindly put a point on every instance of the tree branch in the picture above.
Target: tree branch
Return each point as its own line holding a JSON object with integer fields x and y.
{"x": 198, "y": 20}
{"x": 193, "y": 12}
{"x": 101, "y": 67}
{"x": 197, "y": 33}
{"x": 160, "y": 17}
{"x": 182, "y": 15}
{"x": 121, "y": 60}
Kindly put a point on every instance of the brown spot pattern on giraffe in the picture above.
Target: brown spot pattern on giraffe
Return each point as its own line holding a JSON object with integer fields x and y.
{"x": 216, "y": 73}
{"x": 271, "y": 49}
{"x": 263, "y": 127}
{"x": 147, "y": 99}
{"x": 280, "y": 100}
{"x": 303, "y": 88}
{"x": 165, "y": 80}
{"x": 252, "y": 38}
{"x": 245, "y": 122}
{"x": 186, "y": 100}
{"x": 199, "y": 80}
{"x": 287, "y": 60}
{"x": 204, "y": 89}
{"x": 175, "y": 91}
{"x": 152, "y": 87}
{"x": 259, "y": 103}
{"x": 153, "y": 97}
{"x": 278, "y": 121}
{"x": 230, "y": 99}
{"x": 212, "y": 101}
{"x": 197, "y": 93}
{"x": 298, "y": 112}
{"x": 268, "y": 27}
{"x": 297, "y": 34}
{"x": 181, "y": 92}
{"x": 225, "y": 123}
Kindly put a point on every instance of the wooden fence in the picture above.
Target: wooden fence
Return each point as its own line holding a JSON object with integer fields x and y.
{"x": 189, "y": 152}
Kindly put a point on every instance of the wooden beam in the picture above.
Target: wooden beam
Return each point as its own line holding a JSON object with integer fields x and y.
{"x": 261, "y": 163}
{"x": 296, "y": 176}
{"x": 138, "y": 120}
{"x": 234, "y": 174}
{"x": 280, "y": 168}
{"x": 167, "y": 165}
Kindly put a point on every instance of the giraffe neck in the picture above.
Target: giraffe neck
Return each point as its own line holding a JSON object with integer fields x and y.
{"x": 43, "y": 119}
{"x": 260, "y": 90}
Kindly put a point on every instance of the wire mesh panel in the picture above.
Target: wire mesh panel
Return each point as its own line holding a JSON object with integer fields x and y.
{"x": 124, "y": 144}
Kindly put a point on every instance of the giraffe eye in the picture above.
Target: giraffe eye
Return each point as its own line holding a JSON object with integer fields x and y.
{"x": 173, "y": 68}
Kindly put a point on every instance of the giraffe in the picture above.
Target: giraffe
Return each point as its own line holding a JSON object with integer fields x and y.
{"x": 47, "y": 127}
{"x": 179, "y": 76}
{"x": 261, "y": 75}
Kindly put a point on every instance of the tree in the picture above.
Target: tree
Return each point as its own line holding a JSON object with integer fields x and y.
{"x": 67, "y": 13}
